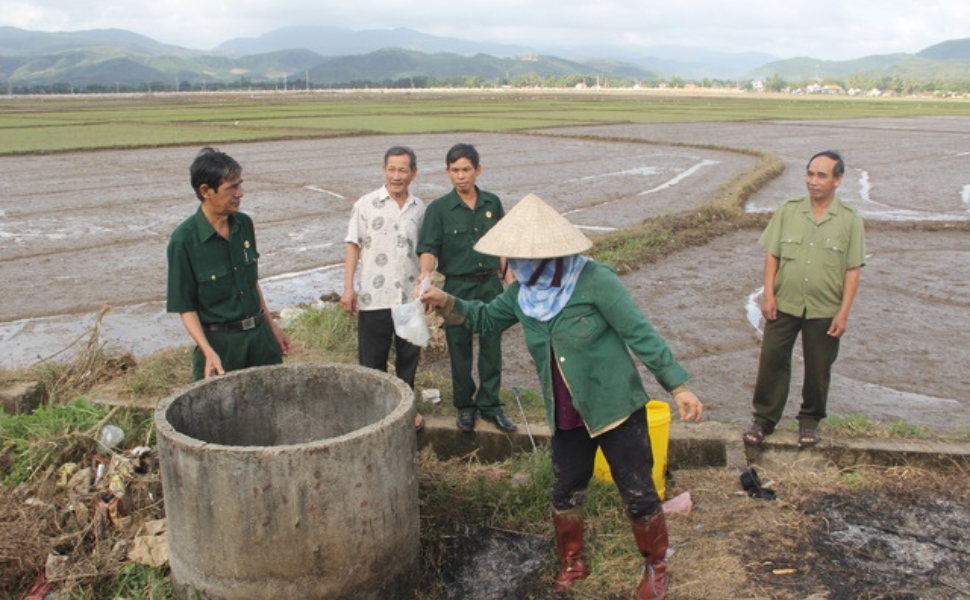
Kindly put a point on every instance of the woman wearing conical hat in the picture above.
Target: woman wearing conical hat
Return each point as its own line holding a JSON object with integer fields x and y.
{"x": 581, "y": 327}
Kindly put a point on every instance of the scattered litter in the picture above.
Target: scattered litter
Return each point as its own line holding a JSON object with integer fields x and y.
{"x": 111, "y": 436}
{"x": 65, "y": 472}
{"x": 681, "y": 504}
{"x": 150, "y": 546}
{"x": 40, "y": 589}
{"x": 56, "y": 567}
{"x": 521, "y": 480}
{"x": 751, "y": 483}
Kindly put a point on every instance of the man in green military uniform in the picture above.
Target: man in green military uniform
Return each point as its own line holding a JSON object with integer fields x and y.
{"x": 213, "y": 280}
{"x": 452, "y": 226}
{"x": 816, "y": 250}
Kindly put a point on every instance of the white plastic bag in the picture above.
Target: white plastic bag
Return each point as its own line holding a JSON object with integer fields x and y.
{"x": 409, "y": 322}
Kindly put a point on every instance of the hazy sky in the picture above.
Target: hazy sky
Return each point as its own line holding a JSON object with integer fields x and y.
{"x": 827, "y": 29}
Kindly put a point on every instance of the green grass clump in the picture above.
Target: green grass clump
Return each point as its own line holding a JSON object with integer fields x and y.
{"x": 33, "y": 445}
{"x": 852, "y": 478}
{"x": 326, "y": 332}
{"x": 132, "y": 581}
{"x": 850, "y": 425}
{"x": 159, "y": 374}
{"x": 906, "y": 430}
{"x": 44, "y": 439}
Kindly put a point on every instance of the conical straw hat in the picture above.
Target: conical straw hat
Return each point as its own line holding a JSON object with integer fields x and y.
{"x": 533, "y": 229}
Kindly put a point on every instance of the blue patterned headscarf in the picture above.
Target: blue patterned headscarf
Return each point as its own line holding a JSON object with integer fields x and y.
{"x": 545, "y": 285}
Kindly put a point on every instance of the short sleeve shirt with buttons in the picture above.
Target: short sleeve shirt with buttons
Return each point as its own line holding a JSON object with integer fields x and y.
{"x": 451, "y": 230}
{"x": 387, "y": 236}
{"x": 212, "y": 276}
{"x": 814, "y": 256}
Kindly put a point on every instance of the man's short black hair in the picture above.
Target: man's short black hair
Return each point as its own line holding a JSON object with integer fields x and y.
{"x": 460, "y": 151}
{"x": 212, "y": 167}
{"x": 401, "y": 151}
{"x": 839, "y": 168}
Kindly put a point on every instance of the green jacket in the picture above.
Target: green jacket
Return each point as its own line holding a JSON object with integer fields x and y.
{"x": 592, "y": 338}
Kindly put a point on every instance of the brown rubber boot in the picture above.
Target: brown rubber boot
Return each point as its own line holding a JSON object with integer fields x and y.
{"x": 651, "y": 536}
{"x": 569, "y": 543}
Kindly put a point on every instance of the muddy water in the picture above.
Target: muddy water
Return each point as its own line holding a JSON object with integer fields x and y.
{"x": 80, "y": 231}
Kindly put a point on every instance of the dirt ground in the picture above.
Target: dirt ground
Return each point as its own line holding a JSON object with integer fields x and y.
{"x": 82, "y": 230}
{"x": 817, "y": 541}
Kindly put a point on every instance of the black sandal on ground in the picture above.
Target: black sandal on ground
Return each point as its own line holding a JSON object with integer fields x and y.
{"x": 808, "y": 437}
{"x": 755, "y": 435}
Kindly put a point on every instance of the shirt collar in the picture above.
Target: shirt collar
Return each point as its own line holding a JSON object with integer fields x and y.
{"x": 456, "y": 200}
{"x": 384, "y": 195}
{"x": 833, "y": 207}
{"x": 205, "y": 230}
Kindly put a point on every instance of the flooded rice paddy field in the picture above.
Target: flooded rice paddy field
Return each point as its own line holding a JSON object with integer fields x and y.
{"x": 78, "y": 231}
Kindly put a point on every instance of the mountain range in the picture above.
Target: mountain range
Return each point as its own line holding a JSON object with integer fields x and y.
{"x": 339, "y": 56}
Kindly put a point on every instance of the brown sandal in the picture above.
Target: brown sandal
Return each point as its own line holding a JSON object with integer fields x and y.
{"x": 808, "y": 437}
{"x": 755, "y": 435}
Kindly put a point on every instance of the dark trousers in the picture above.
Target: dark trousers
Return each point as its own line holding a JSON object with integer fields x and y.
{"x": 375, "y": 332}
{"x": 465, "y": 396}
{"x": 240, "y": 349}
{"x": 628, "y": 452}
{"x": 774, "y": 369}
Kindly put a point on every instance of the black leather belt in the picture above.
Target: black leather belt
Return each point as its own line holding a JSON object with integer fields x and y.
{"x": 474, "y": 276}
{"x": 243, "y": 325}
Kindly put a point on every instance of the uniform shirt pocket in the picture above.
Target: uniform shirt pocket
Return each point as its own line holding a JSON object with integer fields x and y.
{"x": 457, "y": 239}
{"x": 789, "y": 247}
{"x": 215, "y": 285}
{"x": 834, "y": 252}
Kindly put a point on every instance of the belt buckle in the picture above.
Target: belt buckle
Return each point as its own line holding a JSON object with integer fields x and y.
{"x": 249, "y": 323}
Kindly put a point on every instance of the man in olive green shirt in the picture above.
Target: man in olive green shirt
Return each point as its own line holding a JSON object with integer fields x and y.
{"x": 452, "y": 226}
{"x": 816, "y": 249}
{"x": 213, "y": 278}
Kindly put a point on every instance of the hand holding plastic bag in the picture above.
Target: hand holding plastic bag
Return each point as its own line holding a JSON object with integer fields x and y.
{"x": 409, "y": 322}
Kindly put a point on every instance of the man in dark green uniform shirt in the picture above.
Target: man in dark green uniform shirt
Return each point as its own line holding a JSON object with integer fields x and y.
{"x": 213, "y": 278}
{"x": 452, "y": 225}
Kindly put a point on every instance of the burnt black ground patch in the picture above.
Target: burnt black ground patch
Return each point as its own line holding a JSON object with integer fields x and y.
{"x": 875, "y": 545}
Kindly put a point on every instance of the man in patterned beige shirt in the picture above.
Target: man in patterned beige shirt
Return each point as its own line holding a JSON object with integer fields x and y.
{"x": 381, "y": 238}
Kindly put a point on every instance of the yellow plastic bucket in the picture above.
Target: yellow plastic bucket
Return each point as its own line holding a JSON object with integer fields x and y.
{"x": 658, "y": 423}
